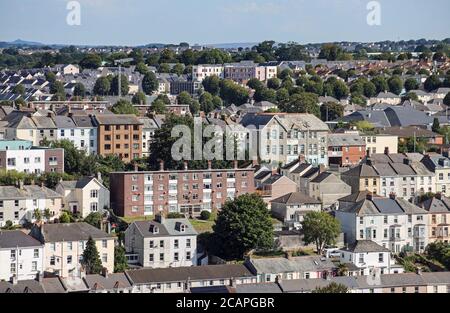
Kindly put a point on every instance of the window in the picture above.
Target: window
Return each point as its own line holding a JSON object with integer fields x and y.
{"x": 36, "y": 253}
{"x": 150, "y": 257}
{"x": 69, "y": 259}
{"x": 361, "y": 258}
{"x": 188, "y": 243}
{"x": 176, "y": 257}
{"x": 34, "y": 266}
{"x": 188, "y": 255}
{"x": 176, "y": 244}
{"x": 52, "y": 260}
{"x": 104, "y": 257}
{"x": 69, "y": 245}
{"x": 380, "y": 257}
{"x": 151, "y": 244}
{"x": 13, "y": 268}
{"x": 94, "y": 193}
{"x": 105, "y": 243}
{"x": 161, "y": 243}
{"x": 161, "y": 256}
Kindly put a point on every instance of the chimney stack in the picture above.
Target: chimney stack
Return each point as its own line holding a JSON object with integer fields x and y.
{"x": 136, "y": 167}
{"x": 209, "y": 164}
{"x": 386, "y": 150}
{"x": 438, "y": 196}
{"x": 255, "y": 162}
{"x": 322, "y": 168}
{"x": 392, "y": 196}
{"x": 301, "y": 158}
{"x": 105, "y": 272}
{"x": 369, "y": 196}
{"x": 14, "y": 279}
{"x": 185, "y": 165}
{"x": 161, "y": 165}
{"x": 235, "y": 163}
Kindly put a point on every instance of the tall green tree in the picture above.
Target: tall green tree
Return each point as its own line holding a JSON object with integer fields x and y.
{"x": 330, "y": 111}
{"x": 432, "y": 83}
{"x": 301, "y": 103}
{"x": 124, "y": 107}
{"x": 91, "y": 61}
{"x": 120, "y": 260}
{"x": 321, "y": 229}
{"x": 124, "y": 85}
{"x": 139, "y": 98}
{"x": 149, "y": 83}
{"x": 242, "y": 225}
{"x": 91, "y": 258}
{"x": 395, "y": 85}
{"x": 102, "y": 86}
{"x": 79, "y": 90}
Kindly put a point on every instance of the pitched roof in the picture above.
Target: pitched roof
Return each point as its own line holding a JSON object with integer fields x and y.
{"x": 364, "y": 246}
{"x": 338, "y": 140}
{"x": 72, "y": 232}
{"x": 112, "y": 281}
{"x": 169, "y": 227}
{"x": 295, "y": 198}
{"x": 16, "y": 238}
{"x": 22, "y": 286}
{"x": 117, "y": 119}
{"x": 294, "y": 264}
{"x": 355, "y": 197}
{"x": 177, "y": 274}
{"x": 28, "y": 192}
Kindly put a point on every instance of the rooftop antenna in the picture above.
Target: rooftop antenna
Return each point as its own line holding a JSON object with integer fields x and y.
{"x": 120, "y": 62}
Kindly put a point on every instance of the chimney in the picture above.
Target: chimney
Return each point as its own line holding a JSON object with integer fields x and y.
{"x": 185, "y": 165}
{"x": 322, "y": 168}
{"x": 288, "y": 255}
{"x": 209, "y": 164}
{"x": 406, "y": 161}
{"x": 369, "y": 162}
{"x": 160, "y": 218}
{"x": 105, "y": 272}
{"x": 438, "y": 196}
{"x": 235, "y": 163}
{"x": 301, "y": 158}
{"x": 255, "y": 162}
{"x": 21, "y": 184}
{"x": 386, "y": 150}
{"x": 161, "y": 165}
{"x": 14, "y": 279}
{"x": 233, "y": 282}
{"x": 369, "y": 196}
{"x": 136, "y": 167}
{"x": 99, "y": 177}
{"x": 392, "y": 196}
{"x": 419, "y": 271}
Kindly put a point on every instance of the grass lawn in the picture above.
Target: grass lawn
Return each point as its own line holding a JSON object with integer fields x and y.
{"x": 202, "y": 226}
{"x": 130, "y": 220}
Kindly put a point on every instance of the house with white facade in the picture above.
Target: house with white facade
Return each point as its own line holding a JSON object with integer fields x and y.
{"x": 364, "y": 257}
{"x": 80, "y": 130}
{"x": 18, "y": 204}
{"x": 201, "y": 71}
{"x": 163, "y": 242}
{"x": 21, "y": 256}
{"x": 64, "y": 245}
{"x": 292, "y": 207}
{"x": 393, "y": 223}
{"x": 84, "y": 196}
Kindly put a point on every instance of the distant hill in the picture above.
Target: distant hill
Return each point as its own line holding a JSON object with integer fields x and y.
{"x": 20, "y": 42}
{"x": 232, "y": 45}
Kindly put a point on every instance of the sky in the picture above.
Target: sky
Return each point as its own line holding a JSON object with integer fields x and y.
{"x": 138, "y": 22}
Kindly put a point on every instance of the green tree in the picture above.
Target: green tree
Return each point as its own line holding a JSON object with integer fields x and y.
{"x": 301, "y": 103}
{"x": 265, "y": 94}
{"x": 242, "y": 225}
{"x": 124, "y": 85}
{"x": 19, "y": 89}
{"x": 332, "y": 288}
{"x": 380, "y": 83}
{"x": 331, "y": 111}
{"x": 331, "y": 52}
{"x": 158, "y": 106}
{"x": 91, "y": 61}
{"x": 255, "y": 84}
{"x": 120, "y": 260}
{"x": 150, "y": 83}
{"x": 94, "y": 219}
{"x": 436, "y": 126}
{"x": 411, "y": 84}
{"x": 79, "y": 90}
{"x": 432, "y": 83}
{"x": 102, "y": 86}
{"x": 139, "y": 98}
{"x": 72, "y": 156}
{"x": 91, "y": 259}
{"x": 212, "y": 84}
{"x": 37, "y": 215}
{"x": 124, "y": 107}
{"x": 321, "y": 229}
{"x": 57, "y": 88}
{"x": 184, "y": 98}
{"x": 177, "y": 69}
{"x": 395, "y": 85}
{"x": 274, "y": 83}
{"x": 282, "y": 95}
{"x": 64, "y": 217}
{"x": 231, "y": 92}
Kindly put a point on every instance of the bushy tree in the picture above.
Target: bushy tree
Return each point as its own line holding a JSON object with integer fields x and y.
{"x": 102, "y": 86}
{"x": 149, "y": 83}
{"x": 94, "y": 219}
{"x": 139, "y": 98}
{"x": 321, "y": 229}
{"x": 120, "y": 260}
{"x": 330, "y": 111}
{"x": 79, "y": 90}
{"x": 301, "y": 103}
{"x": 242, "y": 225}
{"x": 124, "y": 107}
{"x": 432, "y": 83}
{"x": 411, "y": 84}
{"x": 124, "y": 85}
{"x": 332, "y": 288}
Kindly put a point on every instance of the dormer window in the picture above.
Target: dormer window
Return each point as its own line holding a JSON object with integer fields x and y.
{"x": 154, "y": 229}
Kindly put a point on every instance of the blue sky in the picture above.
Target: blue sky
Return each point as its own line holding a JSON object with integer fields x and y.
{"x": 136, "y": 22}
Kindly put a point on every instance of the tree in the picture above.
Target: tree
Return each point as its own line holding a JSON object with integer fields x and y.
{"x": 332, "y": 288}
{"x": 158, "y": 106}
{"x": 380, "y": 83}
{"x": 124, "y": 107}
{"x": 150, "y": 83}
{"x": 124, "y": 85}
{"x": 432, "y": 83}
{"x": 64, "y": 218}
{"x": 79, "y": 90}
{"x": 102, "y": 86}
{"x": 331, "y": 52}
{"x": 184, "y": 98}
{"x": 447, "y": 99}
{"x": 331, "y": 111}
{"x": 91, "y": 259}
{"x": 411, "y": 84}
{"x": 436, "y": 126}
{"x": 265, "y": 94}
{"x": 37, "y": 215}
{"x": 47, "y": 214}
{"x": 342, "y": 269}
{"x": 205, "y": 215}
{"x": 212, "y": 84}
{"x": 274, "y": 83}
{"x": 336, "y": 88}
{"x": 91, "y": 61}
{"x": 369, "y": 89}
{"x": 395, "y": 85}
{"x": 57, "y": 88}
{"x": 301, "y": 103}
{"x": 142, "y": 68}
{"x": 72, "y": 156}
{"x": 364, "y": 126}
{"x": 120, "y": 260}
{"x": 321, "y": 229}
{"x": 94, "y": 219}
{"x": 177, "y": 69}
{"x": 282, "y": 95}
{"x": 139, "y": 98}
{"x": 242, "y": 225}
{"x": 231, "y": 92}
{"x": 255, "y": 84}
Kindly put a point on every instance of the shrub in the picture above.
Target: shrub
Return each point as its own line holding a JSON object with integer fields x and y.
{"x": 205, "y": 215}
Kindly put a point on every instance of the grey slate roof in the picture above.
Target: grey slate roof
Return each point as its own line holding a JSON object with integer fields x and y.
{"x": 72, "y": 232}
{"x": 364, "y": 246}
{"x": 117, "y": 119}
{"x": 383, "y": 206}
{"x": 28, "y": 192}
{"x": 17, "y": 238}
{"x": 295, "y": 198}
{"x": 170, "y": 227}
{"x": 64, "y": 122}
{"x": 258, "y": 288}
{"x": 23, "y": 286}
{"x": 180, "y": 274}
{"x": 294, "y": 264}
{"x": 113, "y": 281}
{"x": 338, "y": 140}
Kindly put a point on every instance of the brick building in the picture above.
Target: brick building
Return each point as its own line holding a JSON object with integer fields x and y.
{"x": 346, "y": 149}
{"x": 119, "y": 134}
{"x": 185, "y": 191}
